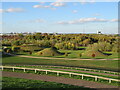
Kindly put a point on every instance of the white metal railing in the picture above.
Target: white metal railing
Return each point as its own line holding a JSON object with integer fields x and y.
{"x": 86, "y": 69}
{"x": 58, "y": 72}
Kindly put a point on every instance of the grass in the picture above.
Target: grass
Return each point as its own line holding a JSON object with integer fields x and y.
{"x": 49, "y": 52}
{"x": 69, "y": 68}
{"x": 64, "y": 75}
{"x": 111, "y": 65}
{"x": 10, "y": 82}
{"x": 75, "y": 54}
{"x": 79, "y": 72}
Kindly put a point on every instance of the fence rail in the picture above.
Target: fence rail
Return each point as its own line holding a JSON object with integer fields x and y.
{"x": 58, "y": 72}
{"x": 86, "y": 69}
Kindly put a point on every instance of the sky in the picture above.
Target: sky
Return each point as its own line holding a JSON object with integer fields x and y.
{"x": 59, "y": 17}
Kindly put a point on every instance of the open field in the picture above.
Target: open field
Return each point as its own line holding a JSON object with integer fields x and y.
{"x": 62, "y": 44}
{"x": 111, "y": 65}
{"x": 74, "y": 54}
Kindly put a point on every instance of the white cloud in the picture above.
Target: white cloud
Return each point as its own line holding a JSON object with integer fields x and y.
{"x": 86, "y": 20}
{"x": 92, "y": 1}
{"x": 83, "y": 20}
{"x": 1, "y": 11}
{"x": 9, "y": 10}
{"x": 83, "y": 2}
{"x": 40, "y": 6}
{"x": 87, "y": 1}
{"x": 52, "y": 5}
{"x": 58, "y": 4}
{"x": 36, "y": 6}
{"x": 114, "y": 20}
{"x": 62, "y": 22}
{"x": 74, "y": 11}
{"x": 92, "y": 20}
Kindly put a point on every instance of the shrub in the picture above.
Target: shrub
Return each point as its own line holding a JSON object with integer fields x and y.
{"x": 30, "y": 48}
{"x": 66, "y": 54}
{"x": 15, "y": 49}
{"x": 80, "y": 54}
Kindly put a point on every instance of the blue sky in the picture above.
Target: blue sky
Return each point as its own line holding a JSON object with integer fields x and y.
{"x": 68, "y": 17}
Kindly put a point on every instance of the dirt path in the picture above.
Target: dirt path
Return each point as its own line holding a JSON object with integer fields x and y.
{"x": 70, "y": 81}
{"x": 62, "y": 58}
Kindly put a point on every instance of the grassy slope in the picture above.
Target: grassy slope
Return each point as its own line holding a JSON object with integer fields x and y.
{"x": 106, "y": 64}
{"x": 75, "y": 54}
{"x": 9, "y": 82}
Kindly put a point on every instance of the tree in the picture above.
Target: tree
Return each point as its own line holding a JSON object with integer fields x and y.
{"x": 86, "y": 42}
{"x": 17, "y": 42}
{"x": 9, "y": 50}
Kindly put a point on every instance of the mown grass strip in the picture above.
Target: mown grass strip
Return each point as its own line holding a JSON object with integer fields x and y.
{"x": 18, "y": 83}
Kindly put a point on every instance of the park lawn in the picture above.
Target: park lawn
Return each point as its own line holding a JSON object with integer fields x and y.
{"x": 111, "y": 65}
{"x": 74, "y": 54}
{"x": 10, "y": 82}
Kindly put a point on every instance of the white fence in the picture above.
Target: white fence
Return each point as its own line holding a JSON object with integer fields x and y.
{"x": 85, "y": 69}
{"x": 58, "y": 72}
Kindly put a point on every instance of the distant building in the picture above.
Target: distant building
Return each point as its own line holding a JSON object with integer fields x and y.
{"x": 99, "y": 32}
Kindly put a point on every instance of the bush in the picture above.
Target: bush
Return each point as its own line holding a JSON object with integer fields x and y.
{"x": 30, "y": 48}
{"x": 66, "y": 45}
{"x": 80, "y": 54}
{"x": 102, "y": 46}
{"x": 66, "y": 54}
{"x": 15, "y": 49}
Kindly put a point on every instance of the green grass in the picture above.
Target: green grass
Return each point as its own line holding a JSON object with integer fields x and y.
{"x": 64, "y": 75}
{"x": 79, "y": 72}
{"x": 75, "y": 54}
{"x": 69, "y": 68}
{"x": 10, "y": 82}
{"x": 111, "y": 65}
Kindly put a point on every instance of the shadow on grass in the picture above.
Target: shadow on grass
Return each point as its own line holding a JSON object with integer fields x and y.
{"x": 21, "y": 54}
{"x": 107, "y": 54}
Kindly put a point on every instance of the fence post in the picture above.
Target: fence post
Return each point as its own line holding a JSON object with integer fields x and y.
{"x": 96, "y": 78}
{"x": 70, "y": 75}
{"x": 35, "y": 70}
{"x": 109, "y": 80}
{"x": 82, "y": 76}
{"x": 2, "y": 68}
{"x": 57, "y": 73}
{"x": 13, "y": 69}
{"x": 24, "y": 70}
{"x": 46, "y": 72}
